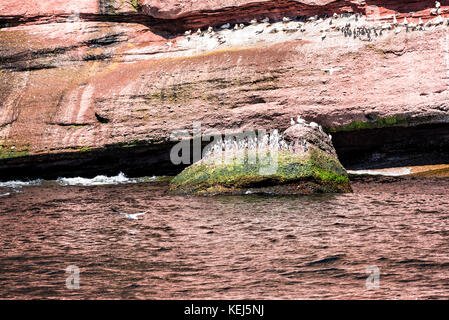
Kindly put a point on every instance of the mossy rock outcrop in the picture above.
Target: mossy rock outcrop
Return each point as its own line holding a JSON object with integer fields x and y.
{"x": 306, "y": 164}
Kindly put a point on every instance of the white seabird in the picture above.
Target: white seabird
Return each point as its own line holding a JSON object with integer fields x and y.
{"x": 405, "y": 23}
{"x": 292, "y": 122}
{"x": 314, "y": 125}
{"x": 332, "y": 70}
{"x": 210, "y": 29}
{"x": 199, "y": 32}
{"x": 420, "y": 22}
{"x": 254, "y": 21}
{"x": 437, "y": 4}
{"x": 225, "y": 26}
{"x": 188, "y": 33}
{"x": 286, "y": 19}
{"x": 300, "y": 121}
{"x": 395, "y": 21}
{"x": 266, "y": 20}
{"x": 134, "y": 216}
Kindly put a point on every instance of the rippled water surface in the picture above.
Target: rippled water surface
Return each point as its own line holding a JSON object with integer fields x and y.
{"x": 230, "y": 247}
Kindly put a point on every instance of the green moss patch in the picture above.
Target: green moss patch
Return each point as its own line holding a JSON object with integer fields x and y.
{"x": 207, "y": 177}
{"x": 394, "y": 121}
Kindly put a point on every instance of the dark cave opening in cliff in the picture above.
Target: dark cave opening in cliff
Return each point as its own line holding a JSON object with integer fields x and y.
{"x": 357, "y": 150}
{"x": 393, "y": 147}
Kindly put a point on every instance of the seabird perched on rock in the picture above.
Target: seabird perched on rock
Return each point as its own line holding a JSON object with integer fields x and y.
{"x": 225, "y": 26}
{"x": 241, "y": 26}
{"x": 292, "y": 122}
{"x": 199, "y": 32}
{"x": 188, "y": 33}
{"x": 286, "y": 19}
{"x": 221, "y": 39}
{"x": 405, "y": 23}
{"x": 314, "y": 125}
{"x": 210, "y": 29}
{"x": 437, "y": 4}
{"x": 266, "y": 20}
{"x": 395, "y": 21}
{"x": 299, "y": 120}
{"x": 335, "y": 15}
{"x": 313, "y": 18}
{"x": 236, "y": 27}
{"x": 254, "y": 21}
{"x": 420, "y": 22}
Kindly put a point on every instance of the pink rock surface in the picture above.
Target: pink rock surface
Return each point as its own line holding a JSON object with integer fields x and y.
{"x": 88, "y": 84}
{"x": 47, "y": 7}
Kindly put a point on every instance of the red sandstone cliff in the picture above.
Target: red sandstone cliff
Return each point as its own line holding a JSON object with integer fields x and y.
{"x": 81, "y": 75}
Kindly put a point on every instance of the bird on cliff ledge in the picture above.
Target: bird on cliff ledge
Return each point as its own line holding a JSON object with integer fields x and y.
{"x": 332, "y": 70}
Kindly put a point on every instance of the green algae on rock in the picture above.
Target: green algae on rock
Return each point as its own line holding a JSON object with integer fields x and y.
{"x": 304, "y": 162}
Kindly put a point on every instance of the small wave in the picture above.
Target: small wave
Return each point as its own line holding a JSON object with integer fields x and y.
{"x": 326, "y": 260}
{"x": 394, "y": 172}
{"x": 19, "y": 184}
{"x": 97, "y": 181}
{"x": 101, "y": 180}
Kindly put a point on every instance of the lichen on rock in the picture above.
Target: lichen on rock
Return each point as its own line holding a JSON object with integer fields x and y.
{"x": 302, "y": 161}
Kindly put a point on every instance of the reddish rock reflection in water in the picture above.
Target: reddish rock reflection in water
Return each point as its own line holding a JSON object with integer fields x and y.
{"x": 226, "y": 247}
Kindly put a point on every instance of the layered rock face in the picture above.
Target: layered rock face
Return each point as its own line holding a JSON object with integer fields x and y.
{"x": 301, "y": 161}
{"x": 78, "y": 77}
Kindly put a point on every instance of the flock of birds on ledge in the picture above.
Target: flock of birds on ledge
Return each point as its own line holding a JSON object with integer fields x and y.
{"x": 338, "y": 22}
{"x": 273, "y": 140}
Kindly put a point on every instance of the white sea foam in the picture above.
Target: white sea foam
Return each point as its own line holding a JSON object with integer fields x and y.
{"x": 97, "y": 181}
{"x": 19, "y": 184}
